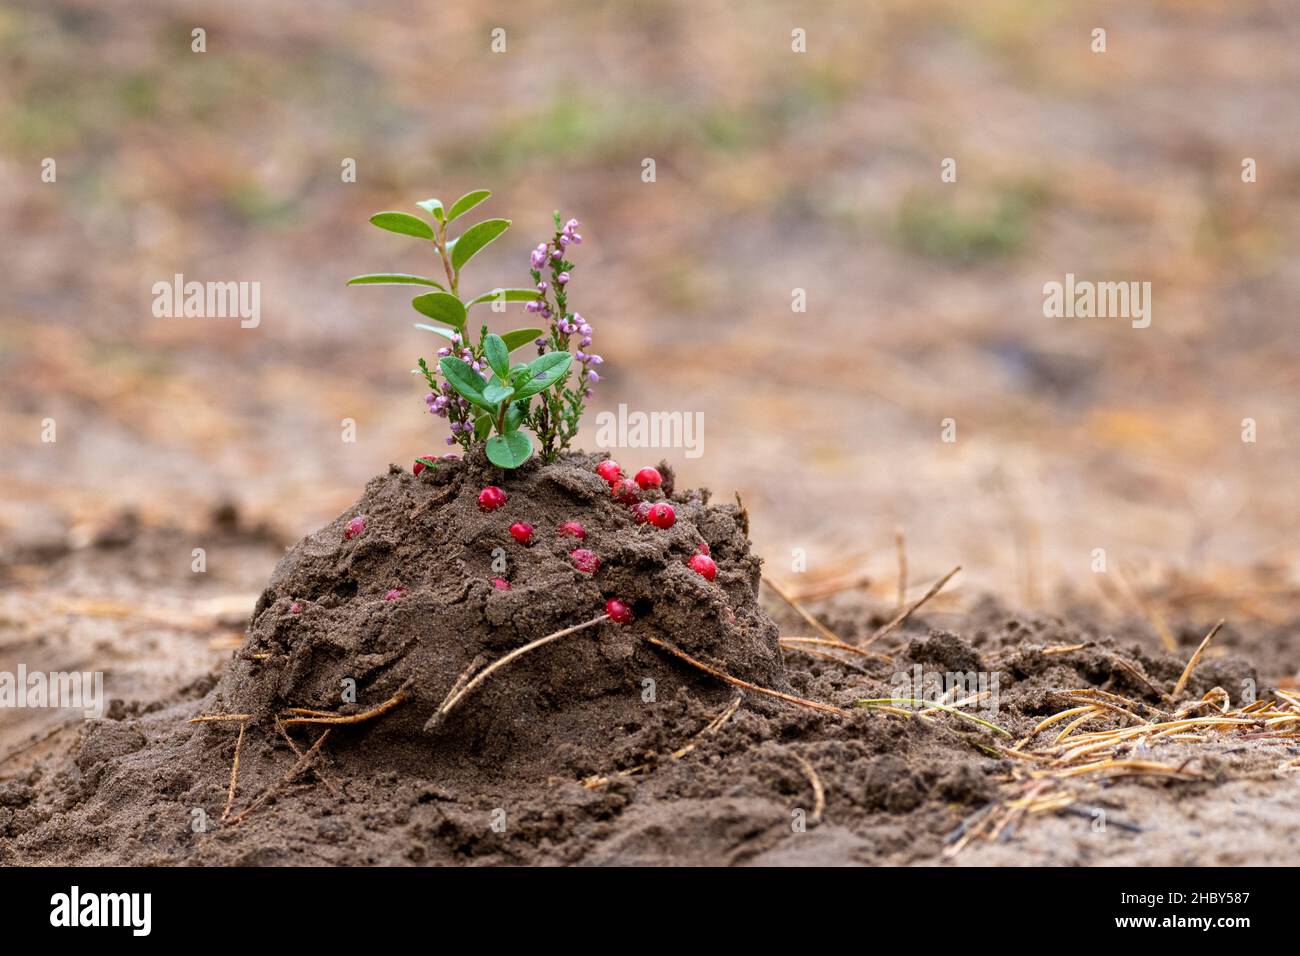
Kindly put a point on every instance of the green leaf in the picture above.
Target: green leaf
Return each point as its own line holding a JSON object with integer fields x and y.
{"x": 509, "y": 450}
{"x": 403, "y": 223}
{"x": 546, "y": 370}
{"x": 482, "y": 427}
{"x": 433, "y": 207}
{"x": 496, "y": 393}
{"x": 436, "y": 330}
{"x": 474, "y": 239}
{"x": 498, "y": 356}
{"x": 506, "y": 295}
{"x": 466, "y": 202}
{"x": 393, "y": 278}
{"x": 518, "y": 338}
{"x": 441, "y": 307}
{"x": 464, "y": 380}
{"x": 515, "y": 414}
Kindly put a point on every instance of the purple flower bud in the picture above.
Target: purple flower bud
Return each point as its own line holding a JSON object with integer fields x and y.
{"x": 571, "y": 225}
{"x": 543, "y": 286}
{"x": 586, "y": 340}
{"x": 444, "y": 351}
{"x": 580, "y": 356}
{"x": 587, "y": 393}
{"x": 564, "y": 241}
{"x": 540, "y": 343}
{"x": 557, "y": 255}
{"x": 597, "y": 360}
{"x": 534, "y": 306}
{"x": 593, "y": 377}
{"x": 585, "y": 329}
{"x": 451, "y": 440}
{"x": 562, "y": 279}
{"x": 575, "y": 239}
{"x": 546, "y": 313}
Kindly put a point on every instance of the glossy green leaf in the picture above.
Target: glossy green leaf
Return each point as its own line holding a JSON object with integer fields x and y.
{"x": 474, "y": 239}
{"x": 433, "y": 207}
{"x": 466, "y": 202}
{"x": 496, "y": 393}
{"x": 515, "y": 414}
{"x": 546, "y": 370}
{"x": 436, "y": 330}
{"x": 464, "y": 380}
{"x": 482, "y": 426}
{"x": 393, "y": 278}
{"x": 497, "y": 355}
{"x": 509, "y": 450}
{"x": 404, "y": 223}
{"x": 506, "y": 295}
{"x": 518, "y": 338}
{"x": 441, "y": 307}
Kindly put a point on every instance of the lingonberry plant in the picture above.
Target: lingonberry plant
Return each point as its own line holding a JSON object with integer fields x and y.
{"x": 487, "y": 399}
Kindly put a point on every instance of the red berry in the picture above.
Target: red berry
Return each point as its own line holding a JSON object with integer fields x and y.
{"x": 394, "y": 594}
{"x": 572, "y": 528}
{"x": 702, "y": 547}
{"x": 419, "y": 466}
{"x": 501, "y": 584}
{"x": 662, "y": 515}
{"x": 585, "y": 561}
{"x": 618, "y": 612}
{"x": 522, "y": 532}
{"x": 626, "y": 491}
{"x": 491, "y": 498}
{"x": 649, "y": 478}
{"x": 609, "y": 470}
{"x": 704, "y": 566}
{"x": 354, "y": 527}
{"x": 641, "y": 513}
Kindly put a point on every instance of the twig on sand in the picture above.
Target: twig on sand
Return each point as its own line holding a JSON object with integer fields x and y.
{"x": 826, "y": 588}
{"x": 334, "y": 719}
{"x": 839, "y": 646}
{"x": 819, "y": 792}
{"x": 303, "y": 763}
{"x": 320, "y": 773}
{"x": 1195, "y": 658}
{"x": 903, "y": 616}
{"x": 458, "y": 694}
{"x": 746, "y": 685}
{"x": 234, "y": 772}
{"x": 216, "y": 718}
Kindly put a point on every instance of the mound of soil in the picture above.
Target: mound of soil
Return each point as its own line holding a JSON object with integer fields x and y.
{"x": 415, "y": 600}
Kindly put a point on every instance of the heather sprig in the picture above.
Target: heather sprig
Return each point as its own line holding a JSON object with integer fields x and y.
{"x": 484, "y": 397}
{"x": 557, "y": 417}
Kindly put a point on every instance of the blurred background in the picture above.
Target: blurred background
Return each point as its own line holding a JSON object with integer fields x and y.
{"x": 775, "y": 171}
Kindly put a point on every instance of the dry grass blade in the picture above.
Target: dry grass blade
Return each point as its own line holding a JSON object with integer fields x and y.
{"x": 1195, "y": 658}
{"x": 335, "y": 719}
{"x": 466, "y": 687}
{"x": 819, "y": 792}
{"x": 930, "y": 705}
{"x": 303, "y": 763}
{"x": 234, "y": 772}
{"x": 812, "y": 622}
{"x": 746, "y": 685}
{"x": 901, "y": 618}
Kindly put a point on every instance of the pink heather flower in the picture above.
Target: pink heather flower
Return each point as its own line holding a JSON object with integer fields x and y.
{"x": 562, "y": 279}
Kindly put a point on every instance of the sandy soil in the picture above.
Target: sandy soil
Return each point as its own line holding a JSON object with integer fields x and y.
{"x": 896, "y": 790}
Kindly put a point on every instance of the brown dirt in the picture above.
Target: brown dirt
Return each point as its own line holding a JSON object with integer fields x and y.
{"x": 566, "y": 749}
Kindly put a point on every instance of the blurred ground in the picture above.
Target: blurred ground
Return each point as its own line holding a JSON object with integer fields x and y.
{"x": 776, "y": 171}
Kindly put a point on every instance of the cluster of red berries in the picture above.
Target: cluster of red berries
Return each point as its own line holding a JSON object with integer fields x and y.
{"x": 628, "y": 491}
